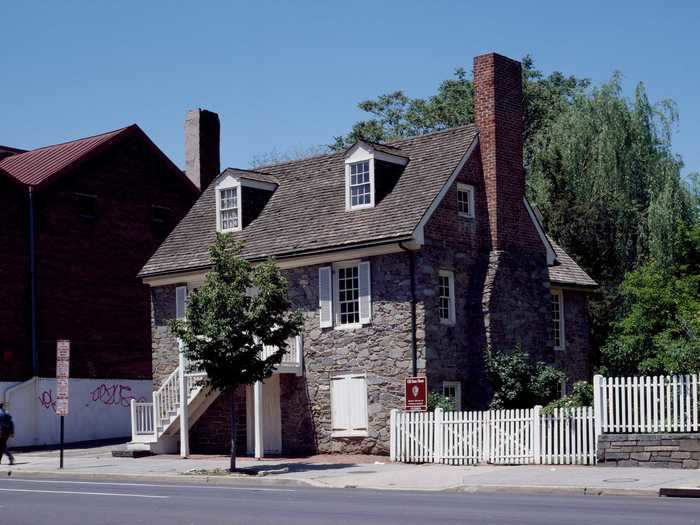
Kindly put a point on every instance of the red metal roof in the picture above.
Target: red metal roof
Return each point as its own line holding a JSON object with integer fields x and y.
{"x": 37, "y": 166}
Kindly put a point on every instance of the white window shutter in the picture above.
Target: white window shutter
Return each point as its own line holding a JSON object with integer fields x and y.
{"x": 357, "y": 385}
{"x": 340, "y": 401}
{"x": 365, "y": 293}
{"x": 180, "y": 302}
{"x": 325, "y": 296}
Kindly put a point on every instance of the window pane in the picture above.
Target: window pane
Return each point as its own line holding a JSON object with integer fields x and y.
{"x": 360, "y": 187}
{"x": 228, "y": 208}
{"x": 556, "y": 320}
{"x": 348, "y": 295}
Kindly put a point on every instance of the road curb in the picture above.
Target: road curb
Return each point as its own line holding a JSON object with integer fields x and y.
{"x": 559, "y": 490}
{"x": 271, "y": 481}
{"x": 174, "y": 478}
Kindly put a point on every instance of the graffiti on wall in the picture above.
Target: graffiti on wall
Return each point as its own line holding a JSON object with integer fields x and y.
{"x": 47, "y": 399}
{"x": 114, "y": 395}
{"x": 107, "y": 394}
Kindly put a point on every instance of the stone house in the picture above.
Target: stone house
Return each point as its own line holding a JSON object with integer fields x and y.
{"x": 79, "y": 219}
{"x": 406, "y": 258}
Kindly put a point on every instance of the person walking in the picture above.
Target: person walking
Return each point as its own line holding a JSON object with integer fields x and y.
{"x": 7, "y": 430}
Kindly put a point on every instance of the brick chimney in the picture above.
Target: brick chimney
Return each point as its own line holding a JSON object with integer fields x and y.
{"x": 202, "y": 135}
{"x": 498, "y": 112}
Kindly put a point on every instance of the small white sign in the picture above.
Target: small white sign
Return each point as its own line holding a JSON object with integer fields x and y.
{"x": 62, "y": 407}
{"x": 62, "y": 376}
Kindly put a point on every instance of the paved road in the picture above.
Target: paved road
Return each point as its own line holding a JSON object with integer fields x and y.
{"x": 54, "y": 502}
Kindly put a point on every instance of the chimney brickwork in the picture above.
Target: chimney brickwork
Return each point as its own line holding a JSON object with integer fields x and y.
{"x": 202, "y": 136}
{"x": 498, "y": 111}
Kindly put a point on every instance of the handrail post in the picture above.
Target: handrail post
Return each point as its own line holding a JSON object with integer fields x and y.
{"x": 184, "y": 398}
{"x": 134, "y": 429}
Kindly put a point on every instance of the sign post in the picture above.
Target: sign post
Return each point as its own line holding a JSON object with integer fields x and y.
{"x": 416, "y": 394}
{"x": 62, "y": 378}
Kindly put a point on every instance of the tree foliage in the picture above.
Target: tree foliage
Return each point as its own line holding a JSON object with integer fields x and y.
{"x": 659, "y": 330}
{"x": 520, "y": 382}
{"x": 239, "y": 309}
{"x": 581, "y": 396}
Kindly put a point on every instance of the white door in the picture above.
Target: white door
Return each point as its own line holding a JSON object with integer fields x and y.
{"x": 272, "y": 416}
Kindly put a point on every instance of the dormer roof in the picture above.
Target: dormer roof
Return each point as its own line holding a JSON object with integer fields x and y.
{"x": 385, "y": 152}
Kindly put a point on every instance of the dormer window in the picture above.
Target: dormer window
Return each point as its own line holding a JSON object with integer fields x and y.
{"x": 371, "y": 171}
{"x": 361, "y": 190}
{"x": 228, "y": 209}
{"x": 240, "y": 197}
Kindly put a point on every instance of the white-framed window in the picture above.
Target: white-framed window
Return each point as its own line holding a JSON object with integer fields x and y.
{"x": 229, "y": 209}
{"x": 465, "y": 200}
{"x": 360, "y": 184}
{"x": 348, "y": 291}
{"x": 452, "y": 390}
{"x": 349, "y": 405}
{"x": 446, "y": 295}
{"x": 345, "y": 294}
{"x": 558, "y": 335}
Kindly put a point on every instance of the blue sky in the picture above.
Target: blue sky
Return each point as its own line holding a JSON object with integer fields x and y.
{"x": 285, "y": 75}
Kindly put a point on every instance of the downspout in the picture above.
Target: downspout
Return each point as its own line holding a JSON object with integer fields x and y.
{"x": 32, "y": 285}
{"x": 414, "y": 340}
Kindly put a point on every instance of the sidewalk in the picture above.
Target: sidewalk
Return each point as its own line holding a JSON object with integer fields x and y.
{"x": 369, "y": 472}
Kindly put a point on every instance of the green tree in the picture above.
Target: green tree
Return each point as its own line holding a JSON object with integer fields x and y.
{"x": 520, "y": 382}
{"x": 659, "y": 330}
{"x": 239, "y": 309}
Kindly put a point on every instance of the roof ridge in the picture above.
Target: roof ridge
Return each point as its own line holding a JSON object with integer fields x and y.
{"x": 114, "y": 131}
{"x": 389, "y": 144}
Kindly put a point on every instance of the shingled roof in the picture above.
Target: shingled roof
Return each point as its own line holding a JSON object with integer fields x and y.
{"x": 566, "y": 272}
{"x": 306, "y": 214}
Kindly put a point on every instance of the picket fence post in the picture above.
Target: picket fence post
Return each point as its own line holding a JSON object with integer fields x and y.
{"x": 537, "y": 434}
{"x": 393, "y": 434}
{"x": 598, "y": 407}
{"x": 438, "y": 450}
{"x": 486, "y": 449}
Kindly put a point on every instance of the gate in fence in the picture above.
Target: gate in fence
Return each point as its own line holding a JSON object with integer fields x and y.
{"x": 515, "y": 437}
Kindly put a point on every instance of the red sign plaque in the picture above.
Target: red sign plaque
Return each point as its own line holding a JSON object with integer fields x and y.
{"x": 416, "y": 394}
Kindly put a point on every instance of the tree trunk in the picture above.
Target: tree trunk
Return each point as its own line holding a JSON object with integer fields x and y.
{"x": 233, "y": 430}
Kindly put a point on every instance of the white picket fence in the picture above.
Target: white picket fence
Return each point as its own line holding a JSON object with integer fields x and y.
{"x": 513, "y": 437}
{"x": 646, "y": 404}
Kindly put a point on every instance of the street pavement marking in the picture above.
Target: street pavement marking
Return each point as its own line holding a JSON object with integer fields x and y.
{"x": 123, "y": 484}
{"x": 85, "y": 493}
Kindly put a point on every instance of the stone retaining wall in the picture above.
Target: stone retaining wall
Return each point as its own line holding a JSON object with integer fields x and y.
{"x": 649, "y": 450}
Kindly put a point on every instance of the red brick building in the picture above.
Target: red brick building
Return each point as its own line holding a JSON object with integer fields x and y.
{"x": 79, "y": 220}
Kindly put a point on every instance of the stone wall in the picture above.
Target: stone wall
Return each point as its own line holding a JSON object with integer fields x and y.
{"x": 381, "y": 350}
{"x": 164, "y": 345}
{"x": 211, "y": 433}
{"x": 649, "y": 450}
{"x": 576, "y": 358}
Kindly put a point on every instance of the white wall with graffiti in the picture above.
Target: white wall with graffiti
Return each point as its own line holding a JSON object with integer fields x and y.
{"x": 99, "y": 409}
